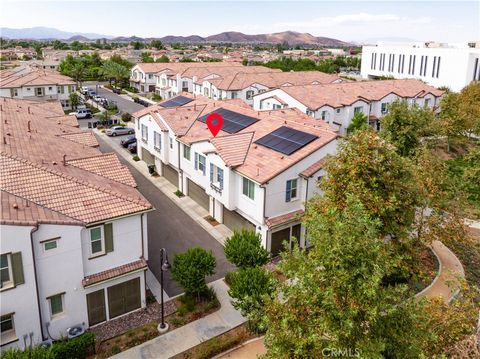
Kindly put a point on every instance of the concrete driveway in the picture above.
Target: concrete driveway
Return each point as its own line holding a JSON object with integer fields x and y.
{"x": 124, "y": 103}
{"x": 170, "y": 227}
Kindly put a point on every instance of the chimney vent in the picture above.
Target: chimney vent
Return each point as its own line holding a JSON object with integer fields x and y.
{"x": 28, "y": 125}
{"x": 64, "y": 160}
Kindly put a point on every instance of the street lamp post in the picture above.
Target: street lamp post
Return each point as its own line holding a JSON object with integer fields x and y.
{"x": 164, "y": 266}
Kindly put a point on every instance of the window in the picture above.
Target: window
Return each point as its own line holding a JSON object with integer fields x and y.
{"x": 39, "y": 91}
{"x": 427, "y": 102}
{"x": 60, "y": 89}
{"x": 291, "y": 192}
{"x": 234, "y": 94}
{"x": 171, "y": 143}
{"x": 157, "y": 141}
{"x": 384, "y": 107}
{"x": 205, "y": 91}
{"x": 438, "y": 67}
{"x": 144, "y": 133}
{"x": 216, "y": 176}
{"x": 338, "y": 110}
{"x": 276, "y": 107}
{"x": 185, "y": 86}
{"x": 49, "y": 245}
{"x": 150, "y": 76}
{"x": 200, "y": 163}
{"x": 186, "y": 152}
{"x": 96, "y": 240}
{"x": 310, "y": 113}
{"x": 50, "y": 88}
{"x": 248, "y": 188}
{"x": 13, "y": 92}
{"x": 6, "y": 271}
{"x": 249, "y": 94}
{"x": 7, "y": 327}
{"x": 56, "y": 304}
{"x": 324, "y": 115}
{"x": 358, "y": 109}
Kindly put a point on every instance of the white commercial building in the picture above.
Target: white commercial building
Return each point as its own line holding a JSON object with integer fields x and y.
{"x": 250, "y": 175}
{"x": 73, "y": 228}
{"x": 450, "y": 65}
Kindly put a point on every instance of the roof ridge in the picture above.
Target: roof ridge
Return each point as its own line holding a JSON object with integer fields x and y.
{"x": 99, "y": 155}
{"x": 74, "y": 179}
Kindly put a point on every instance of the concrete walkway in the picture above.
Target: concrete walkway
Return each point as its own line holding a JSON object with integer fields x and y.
{"x": 220, "y": 232}
{"x": 447, "y": 283}
{"x": 179, "y": 340}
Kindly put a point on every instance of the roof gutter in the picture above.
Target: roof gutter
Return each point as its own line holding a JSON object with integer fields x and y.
{"x": 92, "y": 224}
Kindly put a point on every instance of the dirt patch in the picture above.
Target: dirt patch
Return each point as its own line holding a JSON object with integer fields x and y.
{"x": 211, "y": 220}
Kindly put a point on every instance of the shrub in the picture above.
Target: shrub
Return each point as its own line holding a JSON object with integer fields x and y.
{"x": 244, "y": 249}
{"x": 250, "y": 288}
{"x": 76, "y": 348}
{"x": 126, "y": 117}
{"x": 191, "y": 268}
{"x": 229, "y": 278}
{"x": 136, "y": 158}
{"x": 179, "y": 193}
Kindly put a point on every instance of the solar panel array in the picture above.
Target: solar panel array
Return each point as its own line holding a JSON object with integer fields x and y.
{"x": 176, "y": 101}
{"x": 233, "y": 122}
{"x": 286, "y": 140}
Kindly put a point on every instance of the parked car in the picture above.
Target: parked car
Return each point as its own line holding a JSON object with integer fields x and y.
{"x": 98, "y": 98}
{"x": 116, "y": 90}
{"x": 84, "y": 90}
{"x": 82, "y": 113}
{"x": 119, "y": 130}
{"x": 132, "y": 148}
{"x": 91, "y": 93}
{"x": 128, "y": 141}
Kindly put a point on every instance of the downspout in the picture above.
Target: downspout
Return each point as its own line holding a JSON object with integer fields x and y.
{"x": 306, "y": 200}
{"x": 141, "y": 231}
{"x": 264, "y": 210}
{"x": 180, "y": 168}
{"x": 36, "y": 280}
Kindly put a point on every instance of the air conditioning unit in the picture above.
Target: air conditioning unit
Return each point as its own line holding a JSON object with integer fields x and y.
{"x": 46, "y": 343}
{"x": 75, "y": 331}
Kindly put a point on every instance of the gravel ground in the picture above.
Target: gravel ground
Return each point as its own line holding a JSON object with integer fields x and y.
{"x": 136, "y": 319}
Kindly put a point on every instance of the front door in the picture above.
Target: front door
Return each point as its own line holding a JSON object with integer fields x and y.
{"x": 123, "y": 297}
{"x": 96, "y": 307}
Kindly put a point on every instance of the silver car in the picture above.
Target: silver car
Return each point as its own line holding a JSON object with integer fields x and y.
{"x": 119, "y": 130}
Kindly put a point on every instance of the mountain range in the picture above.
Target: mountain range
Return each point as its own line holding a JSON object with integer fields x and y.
{"x": 292, "y": 37}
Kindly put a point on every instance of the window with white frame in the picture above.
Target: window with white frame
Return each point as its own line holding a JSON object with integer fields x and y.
{"x": 384, "y": 107}
{"x": 338, "y": 110}
{"x": 427, "y": 102}
{"x": 157, "y": 141}
{"x": 60, "y": 89}
{"x": 97, "y": 241}
{"x": 358, "y": 109}
{"x": 39, "y": 91}
{"x": 7, "y": 326}
{"x": 234, "y": 94}
{"x": 205, "y": 91}
{"x": 144, "y": 133}
{"x": 216, "y": 176}
{"x": 6, "y": 274}
{"x": 200, "y": 163}
{"x": 249, "y": 94}
{"x": 171, "y": 143}
{"x": 324, "y": 115}
{"x": 291, "y": 191}
{"x": 56, "y": 304}
{"x": 248, "y": 188}
{"x": 310, "y": 112}
{"x": 13, "y": 92}
{"x": 186, "y": 152}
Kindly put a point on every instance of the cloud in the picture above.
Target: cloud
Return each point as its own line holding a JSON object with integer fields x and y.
{"x": 350, "y": 19}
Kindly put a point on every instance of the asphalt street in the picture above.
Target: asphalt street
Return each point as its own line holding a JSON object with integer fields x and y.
{"x": 170, "y": 227}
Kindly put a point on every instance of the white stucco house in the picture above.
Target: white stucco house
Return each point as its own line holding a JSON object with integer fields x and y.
{"x": 250, "y": 175}
{"x": 73, "y": 228}
{"x": 450, "y": 65}
{"x": 36, "y": 84}
{"x": 337, "y": 103}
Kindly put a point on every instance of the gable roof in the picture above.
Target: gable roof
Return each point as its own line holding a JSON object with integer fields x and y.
{"x": 33, "y": 77}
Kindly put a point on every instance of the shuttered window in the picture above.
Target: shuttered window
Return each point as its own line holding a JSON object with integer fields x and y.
{"x": 96, "y": 307}
{"x": 108, "y": 237}
{"x": 11, "y": 270}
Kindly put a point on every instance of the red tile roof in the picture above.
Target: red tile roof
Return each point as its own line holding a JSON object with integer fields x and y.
{"x": 114, "y": 272}
{"x": 284, "y": 218}
{"x": 34, "y": 77}
{"x": 317, "y": 166}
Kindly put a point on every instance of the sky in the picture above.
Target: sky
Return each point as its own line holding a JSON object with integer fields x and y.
{"x": 447, "y": 21}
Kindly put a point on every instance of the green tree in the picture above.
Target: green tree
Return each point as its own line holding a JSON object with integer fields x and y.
{"x": 244, "y": 249}
{"x": 78, "y": 72}
{"x": 157, "y": 44}
{"x": 250, "y": 289}
{"x": 191, "y": 268}
{"x": 74, "y": 100}
{"x": 146, "y": 57}
{"x": 469, "y": 108}
{"x": 334, "y": 295}
{"x": 450, "y": 123}
{"x": 359, "y": 122}
{"x": 163, "y": 59}
{"x": 404, "y": 126}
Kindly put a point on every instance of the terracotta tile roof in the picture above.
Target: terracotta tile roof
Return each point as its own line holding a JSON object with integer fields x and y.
{"x": 233, "y": 149}
{"x": 107, "y": 165}
{"x": 114, "y": 272}
{"x": 89, "y": 187}
{"x": 35, "y": 77}
{"x": 317, "y": 166}
{"x": 84, "y": 138}
{"x": 284, "y": 218}
{"x": 346, "y": 93}
{"x": 177, "y": 66}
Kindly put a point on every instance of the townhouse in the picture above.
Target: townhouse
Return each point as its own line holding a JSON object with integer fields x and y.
{"x": 36, "y": 84}
{"x": 73, "y": 228}
{"x": 450, "y": 65}
{"x": 256, "y": 173}
{"x": 337, "y": 103}
{"x": 142, "y": 75}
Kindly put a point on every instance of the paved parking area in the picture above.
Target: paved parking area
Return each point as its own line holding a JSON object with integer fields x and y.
{"x": 124, "y": 103}
{"x": 170, "y": 227}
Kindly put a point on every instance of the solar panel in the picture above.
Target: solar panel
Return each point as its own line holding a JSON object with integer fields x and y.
{"x": 176, "y": 101}
{"x": 286, "y": 140}
{"x": 233, "y": 122}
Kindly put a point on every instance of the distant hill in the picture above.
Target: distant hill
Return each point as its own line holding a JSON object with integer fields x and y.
{"x": 46, "y": 33}
{"x": 292, "y": 37}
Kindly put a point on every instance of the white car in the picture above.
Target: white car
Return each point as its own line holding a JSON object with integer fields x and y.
{"x": 84, "y": 90}
{"x": 82, "y": 113}
{"x": 97, "y": 98}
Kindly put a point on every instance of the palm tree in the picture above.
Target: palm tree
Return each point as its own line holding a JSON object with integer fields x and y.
{"x": 78, "y": 72}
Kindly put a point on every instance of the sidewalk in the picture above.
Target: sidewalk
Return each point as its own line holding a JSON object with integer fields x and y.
{"x": 189, "y": 206}
{"x": 179, "y": 340}
{"x": 450, "y": 272}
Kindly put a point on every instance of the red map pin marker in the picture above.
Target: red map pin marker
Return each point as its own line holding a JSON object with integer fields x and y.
{"x": 214, "y": 123}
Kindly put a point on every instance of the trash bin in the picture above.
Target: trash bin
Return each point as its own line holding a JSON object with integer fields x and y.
{"x": 151, "y": 169}
{"x": 89, "y": 125}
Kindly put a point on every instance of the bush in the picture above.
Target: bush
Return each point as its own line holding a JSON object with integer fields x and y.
{"x": 179, "y": 193}
{"x": 76, "y": 348}
{"x": 250, "y": 288}
{"x": 191, "y": 268}
{"x": 126, "y": 117}
{"x": 136, "y": 158}
{"x": 244, "y": 249}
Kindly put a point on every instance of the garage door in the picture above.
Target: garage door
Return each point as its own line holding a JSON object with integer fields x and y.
{"x": 147, "y": 157}
{"x": 198, "y": 194}
{"x": 124, "y": 297}
{"x": 235, "y": 221}
{"x": 170, "y": 174}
